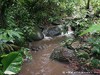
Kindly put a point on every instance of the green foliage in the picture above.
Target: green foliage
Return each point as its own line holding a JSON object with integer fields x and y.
{"x": 19, "y": 20}
{"x": 92, "y": 29}
{"x": 17, "y": 16}
{"x": 12, "y": 63}
{"x": 29, "y": 32}
{"x": 69, "y": 41}
{"x": 91, "y": 54}
{"x": 79, "y": 24}
{"x": 94, "y": 41}
{"x": 83, "y": 55}
{"x": 26, "y": 52}
{"x": 95, "y": 63}
{"x": 8, "y": 36}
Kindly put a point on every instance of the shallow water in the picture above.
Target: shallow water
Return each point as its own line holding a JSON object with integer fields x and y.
{"x": 41, "y": 64}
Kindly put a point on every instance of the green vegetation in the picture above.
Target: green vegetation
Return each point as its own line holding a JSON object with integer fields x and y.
{"x": 20, "y": 22}
{"x": 94, "y": 41}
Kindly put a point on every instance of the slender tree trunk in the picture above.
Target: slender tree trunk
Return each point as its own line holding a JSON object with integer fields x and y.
{"x": 88, "y": 4}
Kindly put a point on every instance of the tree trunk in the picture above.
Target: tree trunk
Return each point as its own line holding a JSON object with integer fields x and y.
{"x": 88, "y": 5}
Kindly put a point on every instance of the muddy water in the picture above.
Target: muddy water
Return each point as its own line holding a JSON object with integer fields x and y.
{"x": 41, "y": 64}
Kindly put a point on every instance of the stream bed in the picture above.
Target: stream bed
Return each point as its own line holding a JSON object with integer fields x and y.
{"x": 41, "y": 64}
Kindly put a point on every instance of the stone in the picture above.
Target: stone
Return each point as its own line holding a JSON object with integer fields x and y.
{"x": 76, "y": 44}
{"x": 35, "y": 36}
{"x": 62, "y": 54}
{"x": 51, "y": 32}
{"x": 38, "y": 36}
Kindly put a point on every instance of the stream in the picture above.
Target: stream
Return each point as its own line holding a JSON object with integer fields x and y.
{"x": 41, "y": 64}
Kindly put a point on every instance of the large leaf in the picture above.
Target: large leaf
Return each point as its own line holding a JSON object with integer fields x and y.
{"x": 12, "y": 63}
{"x": 93, "y": 28}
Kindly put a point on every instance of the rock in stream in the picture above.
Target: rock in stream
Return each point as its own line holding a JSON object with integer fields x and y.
{"x": 62, "y": 54}
{"x": 53, "y": 31}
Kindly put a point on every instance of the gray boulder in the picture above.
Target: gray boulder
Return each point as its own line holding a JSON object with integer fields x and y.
{"x": 53, "y": 31}
{"x": 62, "y": 54}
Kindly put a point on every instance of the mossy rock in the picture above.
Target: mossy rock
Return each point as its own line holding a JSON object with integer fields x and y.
{"x": 62, "y": 54}
{"x": 33, "y": 34}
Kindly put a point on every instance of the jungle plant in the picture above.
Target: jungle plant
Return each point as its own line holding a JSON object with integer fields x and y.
{"x": 94, "y": 41}
{"x": 11, "y": 63}
{"x": 7, "y": 40}
{"x": 19, "y": 18}
{"x": 10, "y": 60}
